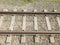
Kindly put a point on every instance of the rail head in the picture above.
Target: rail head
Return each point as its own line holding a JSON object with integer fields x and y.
{"x": 29, "y": 12}
{"x": 29, "y": 32}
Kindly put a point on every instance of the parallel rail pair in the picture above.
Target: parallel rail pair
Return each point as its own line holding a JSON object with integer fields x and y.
{"x": 30, "y": 32}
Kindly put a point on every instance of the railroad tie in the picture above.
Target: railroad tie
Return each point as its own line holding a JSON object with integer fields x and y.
{"x": 37, "y": 39}
{"x": 24, "y": 21}
{"x": 12, "y": 23}
{"x": 58, "y": 20}
{"x": 35, "y": 21}
{"x": 52, "y": 40}
{"x": 47, "y": 21}
{"x": 5, "y": 10}
{"x": 23, "y": 39}
{"x": 54, "y": 10}
{"x": 45, "y": 10}
{"x": 2, "y": 17}
{"x": 1, "y": 20}
{"x": 9, "y": 38}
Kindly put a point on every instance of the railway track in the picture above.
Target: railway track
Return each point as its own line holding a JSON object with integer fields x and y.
{"x": 33, "y": 14}
{"x": 29, "y": 28}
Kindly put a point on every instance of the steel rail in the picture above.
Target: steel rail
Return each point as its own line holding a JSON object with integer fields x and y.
{"x": 29, "y": 12}
{"x": 29, "y": 32}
